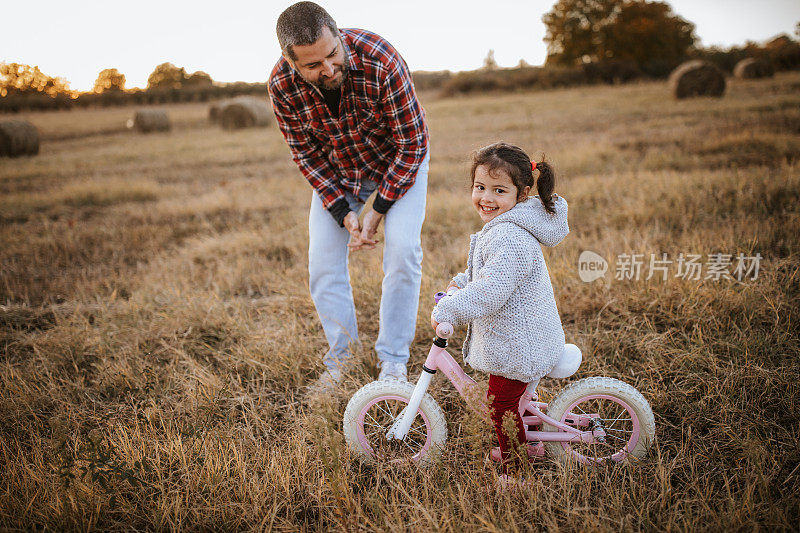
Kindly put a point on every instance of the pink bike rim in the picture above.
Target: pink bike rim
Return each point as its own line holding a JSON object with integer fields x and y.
{"x": 362, "y": 438}
{"x": 626, "y": 450}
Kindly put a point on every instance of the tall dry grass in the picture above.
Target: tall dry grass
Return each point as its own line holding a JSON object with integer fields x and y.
{"x": 157, "y": 332}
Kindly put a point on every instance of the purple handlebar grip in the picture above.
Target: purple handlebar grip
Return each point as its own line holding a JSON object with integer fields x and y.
{"x": 438, "y": 296}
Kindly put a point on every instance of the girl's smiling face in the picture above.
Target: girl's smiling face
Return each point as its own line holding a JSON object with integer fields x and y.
{"x": 494, "y": 193}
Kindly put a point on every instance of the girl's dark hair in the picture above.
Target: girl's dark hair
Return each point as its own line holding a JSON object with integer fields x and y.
{"x": 515, "y": 162}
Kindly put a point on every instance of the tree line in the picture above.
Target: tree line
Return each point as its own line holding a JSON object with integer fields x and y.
{"x": 614, "y": 41}
{"x": 19, "y": 79}
{"x": 588, "y": 41}
{"x": 23, "y": 87}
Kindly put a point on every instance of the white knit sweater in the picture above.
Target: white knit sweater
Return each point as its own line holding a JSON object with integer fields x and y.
{"x": 506, "y": 296}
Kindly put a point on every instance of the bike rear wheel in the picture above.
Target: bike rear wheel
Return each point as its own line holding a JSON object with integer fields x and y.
{"x": 601, "y": 402}
{"x": 373, "y": 410}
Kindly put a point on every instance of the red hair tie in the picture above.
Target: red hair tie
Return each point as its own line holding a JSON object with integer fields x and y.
{"x": 533, "y": 166}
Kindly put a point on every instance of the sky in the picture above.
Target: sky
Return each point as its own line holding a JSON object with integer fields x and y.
{"x": 235, "y": 40}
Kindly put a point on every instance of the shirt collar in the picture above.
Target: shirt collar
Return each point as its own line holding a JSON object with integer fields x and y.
{"x": 353, "y": 59}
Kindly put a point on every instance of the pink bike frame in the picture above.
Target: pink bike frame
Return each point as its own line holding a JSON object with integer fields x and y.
{"x": 440, "y": 359}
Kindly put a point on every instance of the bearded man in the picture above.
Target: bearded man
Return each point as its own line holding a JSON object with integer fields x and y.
{"x": 346, "y": 105}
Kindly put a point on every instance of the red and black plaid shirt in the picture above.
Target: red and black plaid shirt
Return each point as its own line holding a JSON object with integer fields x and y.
{"x": 380, "y": 134}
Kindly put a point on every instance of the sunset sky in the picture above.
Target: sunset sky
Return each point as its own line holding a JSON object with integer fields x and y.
{"x": 235, "y": 40}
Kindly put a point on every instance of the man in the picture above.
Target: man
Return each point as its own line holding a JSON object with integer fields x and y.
{"x": 346, "y": 105}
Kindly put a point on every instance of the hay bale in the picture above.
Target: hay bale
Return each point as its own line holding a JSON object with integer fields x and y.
{"x": 18, "y": 138}
{"x": 245, "y": 112}
{"x": 213, "y": 111}
{"x": 215, "y": 108}
{"x": 752, "y": 68}
{"x": 697, "y": 78}
{"x": 149, "y": 120}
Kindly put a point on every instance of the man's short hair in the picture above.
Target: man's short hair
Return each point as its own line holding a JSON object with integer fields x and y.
{"x": 301, "y": 24}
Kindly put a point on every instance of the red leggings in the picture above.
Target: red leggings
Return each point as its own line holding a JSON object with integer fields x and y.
{"x": 505, "y": 394}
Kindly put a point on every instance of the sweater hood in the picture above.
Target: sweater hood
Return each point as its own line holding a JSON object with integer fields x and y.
{"x": 530, "y": 215}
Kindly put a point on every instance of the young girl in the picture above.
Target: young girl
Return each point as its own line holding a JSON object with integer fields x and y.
{"x": 505, "y": 295}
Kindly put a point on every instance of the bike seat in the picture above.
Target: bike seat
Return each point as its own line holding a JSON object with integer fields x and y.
{"x": 569, "y": 363}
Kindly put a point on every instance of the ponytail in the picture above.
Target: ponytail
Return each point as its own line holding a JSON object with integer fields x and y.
{"x": 545, "y": 185}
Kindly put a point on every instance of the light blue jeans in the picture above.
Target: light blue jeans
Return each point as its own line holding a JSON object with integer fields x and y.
{"x": 329, "y": 276}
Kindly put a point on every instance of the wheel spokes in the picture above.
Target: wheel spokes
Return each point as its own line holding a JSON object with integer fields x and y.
{"x": 377, "y": 421}
{"x": 384, "y": 411}
{"x": 624, "y": 430}
{"x": 619, "y": 428}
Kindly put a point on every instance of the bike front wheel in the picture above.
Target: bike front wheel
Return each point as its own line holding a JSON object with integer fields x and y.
{"x": 601, "y": 402}
{"x": 373, "y": 410}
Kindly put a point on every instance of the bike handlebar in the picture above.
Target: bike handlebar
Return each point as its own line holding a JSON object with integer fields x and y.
{"x": 444, "y": 330}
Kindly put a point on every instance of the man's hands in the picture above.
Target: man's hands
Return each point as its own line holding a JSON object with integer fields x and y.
{"x": 362, "y": 235}
{"x": 353, "y": 225}
{"x": 371, "y": 222}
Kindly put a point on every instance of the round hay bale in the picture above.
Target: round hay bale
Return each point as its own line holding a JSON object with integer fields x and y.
{"x": 245, "y": 112}
{"x": 697, "y": 78}
{"x": 149, "y": 120}
{"x": 213, "y": 111}
{"x": 18, "y": 138}
{"x": 215, "y": 108}
{"x": 752, "y": 68}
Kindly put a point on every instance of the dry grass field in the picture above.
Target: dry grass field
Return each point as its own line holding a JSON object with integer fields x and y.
{"x": 156, "y": 331}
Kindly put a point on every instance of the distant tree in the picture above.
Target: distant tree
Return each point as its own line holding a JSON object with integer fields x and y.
{"x": 651, "y": 36}
{"x": 489, "y": 62}
{"x": 783, "y": 52}
{"x": 18, "y": 78}
{"x": 166, "y": 75}
{"x": 575, "y": 28}
{"x": 781, "y": 41}
{"x": 109, "y": 79}
{"x": 648, "y": 34}
{"x": 198, "y": 78}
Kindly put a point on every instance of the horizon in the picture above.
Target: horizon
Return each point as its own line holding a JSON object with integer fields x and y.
{"x": 231, "y": 47}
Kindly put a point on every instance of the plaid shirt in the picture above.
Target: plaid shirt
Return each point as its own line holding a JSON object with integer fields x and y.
{"x": 380, "y": 135}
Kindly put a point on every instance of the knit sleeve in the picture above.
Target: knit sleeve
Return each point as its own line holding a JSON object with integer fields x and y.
{"x": 507, "y": 262}
{"x": 461, "y": 279}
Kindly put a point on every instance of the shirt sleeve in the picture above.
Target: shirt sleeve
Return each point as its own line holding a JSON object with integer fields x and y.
{"x": 505, "y": 266}
{"x": 405, "y": 120}
{"x": 309, "y": 156}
